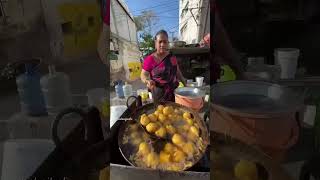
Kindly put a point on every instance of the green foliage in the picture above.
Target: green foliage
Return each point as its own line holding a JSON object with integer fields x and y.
{"x": 146, "y": 44}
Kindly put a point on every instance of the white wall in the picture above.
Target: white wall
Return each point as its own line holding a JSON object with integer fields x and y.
{"x": 123, "y": 29}
{"x": 190, "y": 34}
{"x": 194, "y": 30}
{"x": 121, "y": 23}
{"x": 204, "y": 19}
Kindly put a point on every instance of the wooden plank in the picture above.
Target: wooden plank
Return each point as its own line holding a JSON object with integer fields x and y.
{"x": 189, "y": 50}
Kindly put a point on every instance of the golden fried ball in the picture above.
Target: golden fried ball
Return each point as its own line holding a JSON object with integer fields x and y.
{"x": 196, "y": 125}
{"x": 160, "y": 108}
{"x": 152, "y": 117}
{"x": 189, "y": 148}
{"x": 164, "y": 157}
{"x": 162, "y": 117}
{"x": 186, "y": 115}
{"x": 189, "y": 121}
{"x": 177, "y": 139}
{"x": 169, "y": 148}
{"x": 161, "y": 132}
{"x": 144, "y": 120}
{"x": 179, "y": 156}
{"x": 144, "y": 148}
{"x": 167, "y": 110}
{"x": 157, "y": 113}
{"x": 152, "y": 160}
{"x": 152, "y": 127}
{"x": 194, "y": 130}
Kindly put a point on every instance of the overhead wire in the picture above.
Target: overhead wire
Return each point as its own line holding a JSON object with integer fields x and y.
{"x": 148, "y": 8}
{"x": 124, "y": 14}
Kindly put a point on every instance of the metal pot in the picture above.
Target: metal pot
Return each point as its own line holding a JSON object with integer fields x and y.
{"x": 190, "y": 97}
{"x": 177, "y": 44}
{"x": 256, "y": 98}
{"x": 259, "y": 113}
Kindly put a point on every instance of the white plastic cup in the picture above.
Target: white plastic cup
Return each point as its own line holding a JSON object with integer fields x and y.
{"x": 199, "y": 80}
{"x": 95, "y": 96}
{"x": 287, "y": 59}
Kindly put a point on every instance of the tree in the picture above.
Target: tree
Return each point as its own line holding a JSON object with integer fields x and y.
{"x": 146, "y": 44}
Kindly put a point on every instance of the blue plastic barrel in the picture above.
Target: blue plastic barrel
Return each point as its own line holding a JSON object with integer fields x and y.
{"x": 119, "y": 90}
{"x": 29, "y": 89}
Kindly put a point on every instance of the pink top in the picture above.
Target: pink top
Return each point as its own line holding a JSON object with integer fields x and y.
{"x": 149, "y": 63}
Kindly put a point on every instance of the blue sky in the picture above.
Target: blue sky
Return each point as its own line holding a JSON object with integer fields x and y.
{"x": 166, "y": 10}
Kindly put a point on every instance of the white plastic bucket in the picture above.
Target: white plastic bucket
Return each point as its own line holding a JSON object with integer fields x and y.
{"x": 287, "y": 59}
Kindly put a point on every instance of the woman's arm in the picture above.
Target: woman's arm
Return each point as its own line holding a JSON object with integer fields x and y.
{"x": 145, "y": 78}
{"x": 145, "y": 75}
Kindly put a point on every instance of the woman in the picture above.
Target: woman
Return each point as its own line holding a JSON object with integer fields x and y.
{"x": 160, "y": 71}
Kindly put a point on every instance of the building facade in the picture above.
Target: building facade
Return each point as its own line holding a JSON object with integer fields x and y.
{"x": 194, "y": 19}
{"x": 124, "y": 43}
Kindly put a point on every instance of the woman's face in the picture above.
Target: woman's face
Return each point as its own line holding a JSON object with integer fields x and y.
{"x": 161, "y": 43}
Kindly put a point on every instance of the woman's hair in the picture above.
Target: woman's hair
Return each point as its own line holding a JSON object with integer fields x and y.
{"x": 161, "y": 32}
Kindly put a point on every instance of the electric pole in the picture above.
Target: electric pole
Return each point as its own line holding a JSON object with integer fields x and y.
{"x": 172, "y": 33}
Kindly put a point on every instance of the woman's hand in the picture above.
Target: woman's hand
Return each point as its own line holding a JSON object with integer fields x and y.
{"x": 150, "y": 84}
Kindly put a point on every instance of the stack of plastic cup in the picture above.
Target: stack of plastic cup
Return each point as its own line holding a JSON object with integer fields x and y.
{"x": 287, "y": 59}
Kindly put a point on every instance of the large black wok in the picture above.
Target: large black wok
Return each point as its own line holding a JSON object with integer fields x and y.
{"x": 128, "y": 150}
